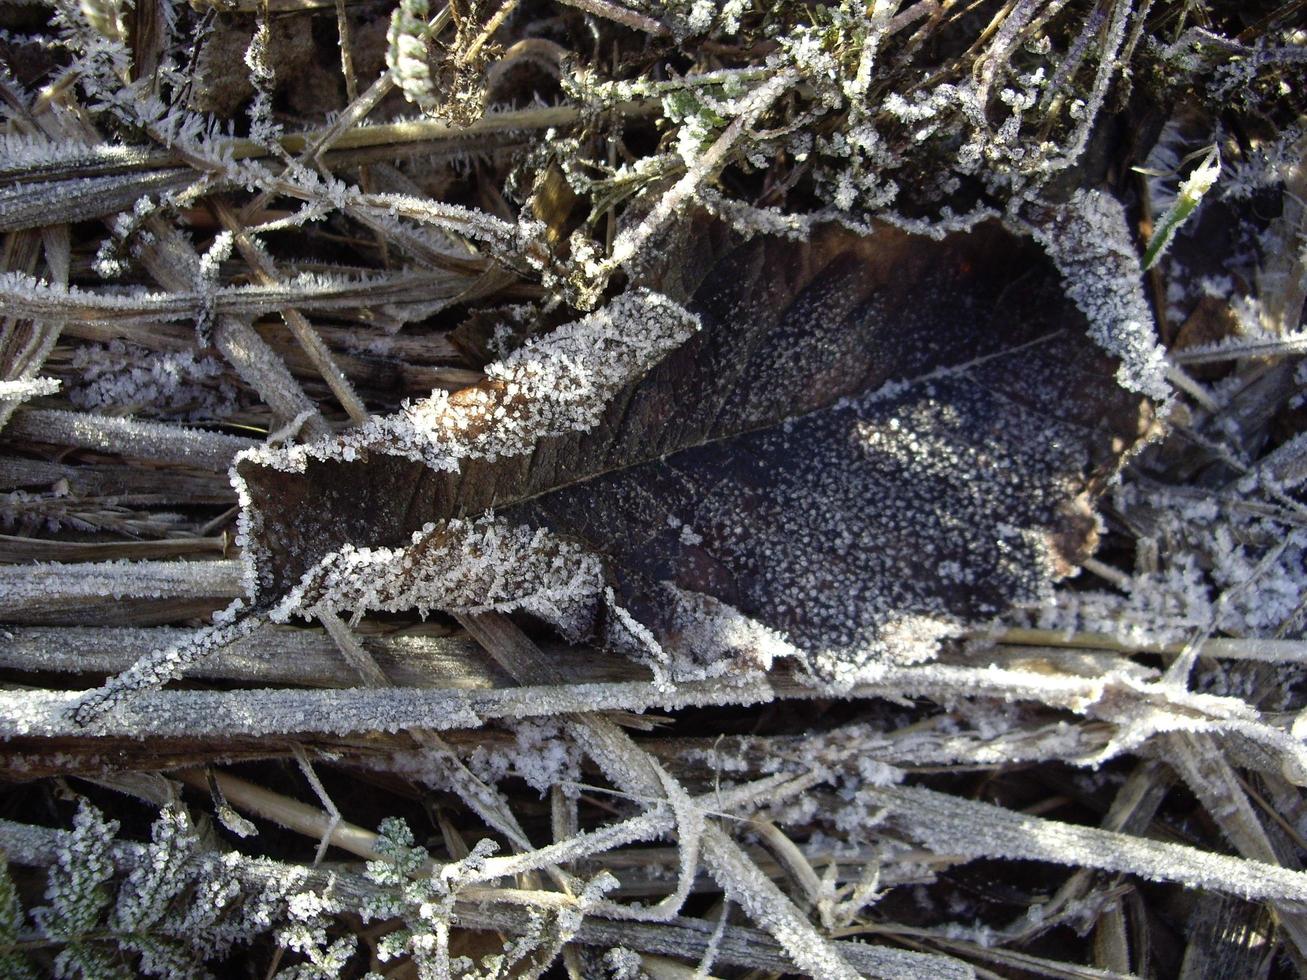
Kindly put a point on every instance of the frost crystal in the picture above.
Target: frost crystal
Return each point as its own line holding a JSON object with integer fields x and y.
{"x": 164, "y": 384}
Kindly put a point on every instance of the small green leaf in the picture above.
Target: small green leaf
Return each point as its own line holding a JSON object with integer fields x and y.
{"x": 1191, "y": 192}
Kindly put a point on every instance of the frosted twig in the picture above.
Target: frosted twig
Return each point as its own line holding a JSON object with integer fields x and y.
{"x": 1144, "y": 709}
{"x": 158, "y": 441}
{"x": 629, "y": 242}
{"x": 306, "y": 767}
{"x": 508, "y": 911}
{"x": 706, "y": 960}
{"x": 468, "y": 55}
{"x": 1243, "y": 348}
{"x": 265, "y": 372}
{"x": 952, "y": 825}
{"x": 1282, "y": 282}
{"x": 1247, "y": 648}
{"x": 27, "y": 344}
{"x": 1186, "y": 383}
{"x": 21, "y": 390}
{"x": 277, "y": 656}
{"x": 31, "y": 298}
{"x": 328, "y": 828}
{"x": 348, "y": 644}
{"x": 791, "y": 857}
{"x": 318, "y": 353}
{"x": 68, "y": 582}
{"x": 634, "y": 771}
{"x": 1200, "y": 760}
{"x": 157, "y": 668}
{"x": 1108, "y": 67}
{"x": 619, "y": 15}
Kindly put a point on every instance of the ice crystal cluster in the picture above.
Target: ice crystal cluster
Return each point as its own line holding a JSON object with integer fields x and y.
{"x": 151, "y": 383}
{"x": 1211, "y": 565}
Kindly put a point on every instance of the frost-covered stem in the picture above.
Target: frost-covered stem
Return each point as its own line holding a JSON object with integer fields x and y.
{"x": 434, "y": 130}
{"x": 636, "y": 772}
{"x": 58, "y": 582}
{"x": 320, "y": 791}
{"x": 31, "y": 298}
{"x": 1191, "y": 387}
{"x": 345, "y": 42}
{"x": 1250, "y": 648}
{"x": 706, "y": 166}
{"x": 1179, "y": 670}
{"x": 1070, "y": 63}
{"x": 158, "y": 668}
{"x": 468, "y": 55}
{"x": 27, "y": 344}
{"x": 316, "y": 824}
{"x": 311, "y": 146}
{"x": 790, "y": 857}
{"x": 1108, "y": 65}
{"x": 482, "y": 799}
{"x": 264, "y": 371}
{"x": 172, "y": 261}
{"x": 1238, "y": 349}
{"x": 653, "y": 822}
{"x": 500, "y": 910}
{"x": 1201, "y": 762}
{"x": 278, "y": 656}
{"x": 948, "y": 824}
{"x": 344, "y": 135}
{"x": 1108, "y": 573}
{"x": 307, "y": 820}
{"x": 285, "y": 811}
{"x": 1000, "y": 49}
{"x": 351, "y": 649}
{"x": 318, "y": 354}
{"x": 1285, "y": 466}
{"x": 15, "y": 391}
{"x": 1142, "y": 709}
{"x": 620, "y": 15}
{"x": 1282, "y": 282}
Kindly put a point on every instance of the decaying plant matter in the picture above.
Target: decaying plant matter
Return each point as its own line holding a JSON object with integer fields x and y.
{"x": 641, "y": 488}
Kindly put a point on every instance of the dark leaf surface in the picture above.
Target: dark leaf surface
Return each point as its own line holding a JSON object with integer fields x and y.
{"x": 868, "y": 434}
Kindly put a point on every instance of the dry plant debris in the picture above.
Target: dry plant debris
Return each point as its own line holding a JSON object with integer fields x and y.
{"x": 653, "y": 488}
